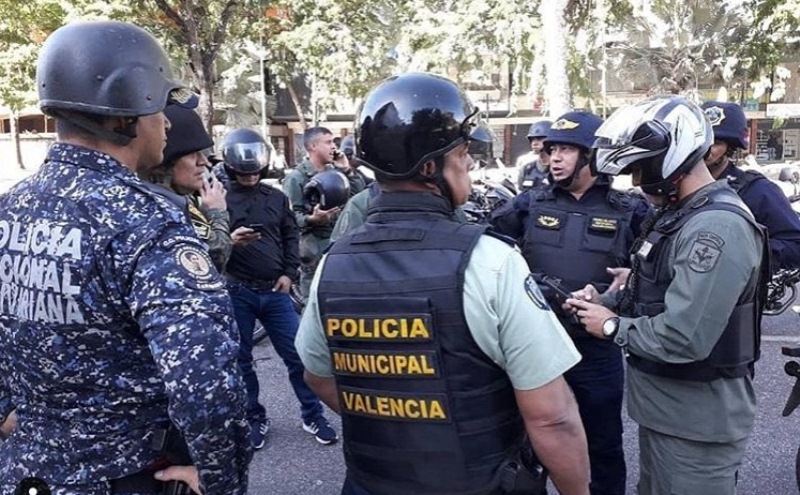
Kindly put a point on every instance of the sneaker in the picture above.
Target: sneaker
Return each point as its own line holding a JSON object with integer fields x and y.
{"x": 258, "y": 433}
{"x": 321, "y": 430}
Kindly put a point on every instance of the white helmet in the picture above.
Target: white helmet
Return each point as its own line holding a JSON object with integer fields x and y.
{"x": 666, "y": 136}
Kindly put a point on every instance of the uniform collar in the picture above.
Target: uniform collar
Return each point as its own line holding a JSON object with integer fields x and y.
{"x": 307, "y": 168}
{"x": 83, "y": 157}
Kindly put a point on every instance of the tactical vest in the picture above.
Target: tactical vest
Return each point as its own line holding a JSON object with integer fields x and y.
{"x": 424, "y": 410}
{"x": 741, "y": 180}
{"x": 201, "y": 223}
{"x": 738, "y": 347}
{"x": 533, "y": 177}
{"x": 577, "y": 245}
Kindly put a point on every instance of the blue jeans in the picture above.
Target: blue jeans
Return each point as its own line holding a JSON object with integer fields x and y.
{"x": 597, "y": 382}
{"x": 275, "y": 312}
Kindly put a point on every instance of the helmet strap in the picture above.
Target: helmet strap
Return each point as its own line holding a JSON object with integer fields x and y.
{"x": 121, "y": 136}
{"x": 438, "y": 179}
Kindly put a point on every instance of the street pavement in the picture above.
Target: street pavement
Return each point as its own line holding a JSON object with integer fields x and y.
{"x": 292, "y": 463}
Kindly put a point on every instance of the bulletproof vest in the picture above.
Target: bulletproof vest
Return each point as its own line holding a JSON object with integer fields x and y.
{"x": 741, "y": 180}
{"x": 201, "y": 224}
{"x": 577, "y": 241}
{"x": 533, "y": 177}
{"x": 424, "y": 410}
{"x": 738, "y": 347}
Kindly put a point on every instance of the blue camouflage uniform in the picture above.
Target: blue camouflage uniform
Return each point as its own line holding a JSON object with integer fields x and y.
{"x": 113, "y": 321}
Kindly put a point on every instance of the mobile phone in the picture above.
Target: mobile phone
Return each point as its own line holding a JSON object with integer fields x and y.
{"x": 337, "y": 154}
{"x": 255, "y": 226}
{"x": 554, "y": 284}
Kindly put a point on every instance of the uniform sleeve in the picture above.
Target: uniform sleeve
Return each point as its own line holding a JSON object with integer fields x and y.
{"x": 510, "y": 320}
{"x": 509, "y": 219}
{"x": 6, "y": 404}
{"x": 352, "y": 216}
{"x": 715, "y": 257}
{"x": 184, "y": 312}
{"x": 293, "y": 189}
{"x": 357, "y": 182}
{"x": 771, "y": 209}
{"x": 290, "y": 237}
{"x": 311, "y": 344}
{"x": 220, "y": 244}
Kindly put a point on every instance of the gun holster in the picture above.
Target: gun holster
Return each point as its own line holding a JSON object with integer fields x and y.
{"x": 524, "y": 475}
{"x": 173, "y": 452}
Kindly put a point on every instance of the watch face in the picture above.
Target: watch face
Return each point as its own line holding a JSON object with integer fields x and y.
{"x": 609, "y": 326}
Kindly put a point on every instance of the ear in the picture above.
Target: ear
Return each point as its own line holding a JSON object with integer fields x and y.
{"x": 428, "y": 169}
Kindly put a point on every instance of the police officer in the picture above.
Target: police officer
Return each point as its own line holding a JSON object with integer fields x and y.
{"x": 534, "y": 166}
{"x": 184, "y": 179}
{"x": 348, "y": 148}
{"x": 260, "y": 272}
{"x": 576, "y": 230}
{"x": 691, "y": 313}
{"x": 418, "y": 330}
{"x": 316, "y": 223}
{"x": 765, "y": 199}
{"x": 120, "y": 343}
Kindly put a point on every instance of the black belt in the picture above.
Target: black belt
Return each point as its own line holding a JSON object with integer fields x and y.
{"x": 253, "y": 283}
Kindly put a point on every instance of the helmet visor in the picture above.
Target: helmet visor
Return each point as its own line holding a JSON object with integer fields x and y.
{"x": 625, "y": 138}
{"x": 247, "y": 158}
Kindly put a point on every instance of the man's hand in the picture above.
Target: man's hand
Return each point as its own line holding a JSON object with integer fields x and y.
{"x": 243, "y": 236}
{"x": 187, "y": 474}
{"x": 9, "y": 425}
{"x": 620, "y": 278}
{"x": 591, "y": 315}
{"x": 322, "y": 217}
{"x": 213, "y": 194}
{"x": 283, "y": 284}
{"x": 342, "y": 164}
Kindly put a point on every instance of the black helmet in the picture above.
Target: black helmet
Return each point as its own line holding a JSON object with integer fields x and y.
{"x": 539, "y": 129}
{"x": 729, "y": 123}
{"x": 187, "y": 134}
{"x": 410, "y": 119}
{"x": 328, "y": 189}
{"x": 106, "y": 68}
{"x": 244, "y": 151}
{"x": 348, "y": 146}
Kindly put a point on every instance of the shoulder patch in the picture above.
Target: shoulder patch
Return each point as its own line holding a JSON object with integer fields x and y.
{"x": 705, "y": 252}
{"x": 532, "y": 289}
{"x": 195, "y": 262}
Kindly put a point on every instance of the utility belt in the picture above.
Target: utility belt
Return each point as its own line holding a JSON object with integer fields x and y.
{"x": 253, "y": 284}
{"x": 173, "y": 452}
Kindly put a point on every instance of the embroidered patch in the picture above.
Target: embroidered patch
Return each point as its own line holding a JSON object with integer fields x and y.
{"x": 548, "y": 222}
{"x": 715, "y": 115}
{"x": 535, "y": 294}
{"x": 703, "y": 255}
{"x": 644, "y": 250}
{"x": 565, "y": 124}
{"x": 604, "y": 224}
{"x": 195, "y": 262}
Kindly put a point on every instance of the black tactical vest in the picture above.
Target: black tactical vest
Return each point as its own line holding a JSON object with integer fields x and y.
{"x": 741, "y": 180}
{"x": 424, "y": 410}
{"x": 737, "y": 348}
{"x": 576, "y": 245}
{"x": 532, "y": 177}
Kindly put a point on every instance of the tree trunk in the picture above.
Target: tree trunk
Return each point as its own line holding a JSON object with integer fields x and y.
{"x": 557, "y": 89}
{"x": 14, "y": 120}
{"x": 297, "y": 106}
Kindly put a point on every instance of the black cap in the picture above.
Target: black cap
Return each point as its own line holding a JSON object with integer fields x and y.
{"x": 187, "y": 134}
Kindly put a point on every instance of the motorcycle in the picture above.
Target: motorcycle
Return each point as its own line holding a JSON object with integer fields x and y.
{"x": 781, "y": 294}
{"x": 487, "y": 196}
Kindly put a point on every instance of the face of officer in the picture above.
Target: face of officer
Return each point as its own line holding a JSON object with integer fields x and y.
{"x": 716, "y": 160}
{"x": 188, "y": 171}
{"x": 457, "y": 164}
{"x": 322, "y": 148}
{"x": 563, "y": 160}
{"x": 247, "y": 180}
{"x": 151, "y": 138}
{"x": 537, "y": 146}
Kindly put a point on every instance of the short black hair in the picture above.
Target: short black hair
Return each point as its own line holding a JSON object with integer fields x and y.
{"x": 312, "y": 133}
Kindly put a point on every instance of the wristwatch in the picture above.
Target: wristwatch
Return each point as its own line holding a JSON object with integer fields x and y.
{"x": 611, "y": 327}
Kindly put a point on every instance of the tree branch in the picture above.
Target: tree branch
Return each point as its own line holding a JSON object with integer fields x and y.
{"x": 170, "y": 12}
{"x": 220, "y": 31}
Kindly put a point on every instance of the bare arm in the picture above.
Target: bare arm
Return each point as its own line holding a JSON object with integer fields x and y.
{"x": 325, "y": 388}
{"x": 556, "y": 432}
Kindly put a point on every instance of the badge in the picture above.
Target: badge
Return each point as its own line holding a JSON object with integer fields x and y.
{"x": 644, "y": 250}
{"x": 703, "y": 257}
{"x": 604, "y": 224}
{"x": 715, "y": 115}
{"x": 535, "y": 294}
{"x": 565, "y": 124}
{"x": 196, "y": 262}
{"x": 548, "y": 222}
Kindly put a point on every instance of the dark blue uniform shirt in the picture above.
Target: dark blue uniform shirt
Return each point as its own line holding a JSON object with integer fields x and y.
{"x": 112, "y": 321}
